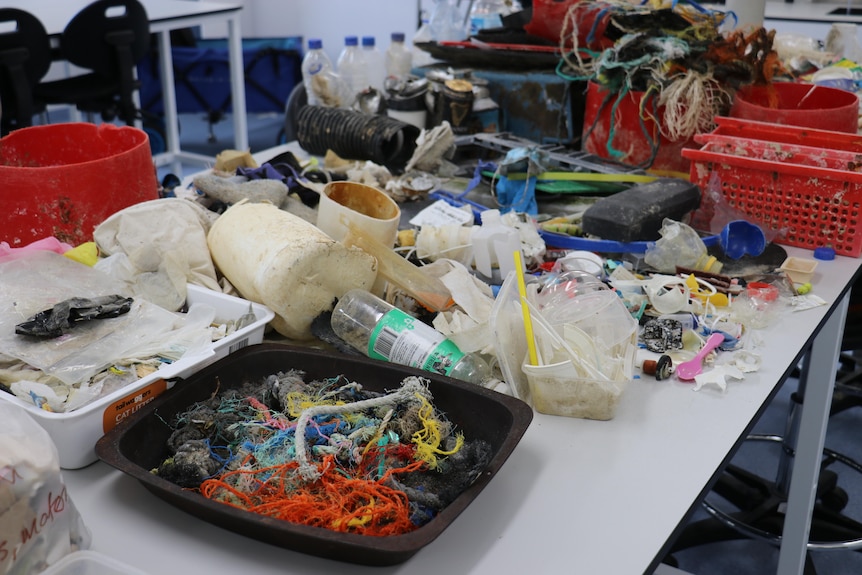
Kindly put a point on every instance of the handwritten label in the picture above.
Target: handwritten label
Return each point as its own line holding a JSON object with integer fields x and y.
{"x": 25, "y": 521}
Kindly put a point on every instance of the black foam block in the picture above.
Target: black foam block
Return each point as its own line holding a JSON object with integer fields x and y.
{"x": 636, "y": 214}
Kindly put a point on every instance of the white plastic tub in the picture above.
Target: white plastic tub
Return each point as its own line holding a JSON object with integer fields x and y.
{"x": 75, "y": 433}
{"x": 90, "y": 563}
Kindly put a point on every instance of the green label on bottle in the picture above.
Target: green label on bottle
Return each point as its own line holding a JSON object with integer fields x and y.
{"x": 401, "y": 338}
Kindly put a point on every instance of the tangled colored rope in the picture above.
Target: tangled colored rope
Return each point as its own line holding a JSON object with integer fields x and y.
{"x": 325, "y": 453}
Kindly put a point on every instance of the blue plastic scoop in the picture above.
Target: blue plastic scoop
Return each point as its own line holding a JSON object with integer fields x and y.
{"x": 740, "y": 238}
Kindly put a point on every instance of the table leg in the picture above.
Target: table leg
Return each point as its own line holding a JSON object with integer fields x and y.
{"x": 812, "y": 434}
{"x": 237, "y": 83}
{"x": 169, "y": 101}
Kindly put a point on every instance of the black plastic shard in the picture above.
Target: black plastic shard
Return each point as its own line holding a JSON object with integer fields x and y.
{"x": 64, "y": 315}
{"x": 636, "y": 214}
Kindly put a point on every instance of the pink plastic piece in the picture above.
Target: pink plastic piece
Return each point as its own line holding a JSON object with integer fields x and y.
{"x": 688, "y": 370}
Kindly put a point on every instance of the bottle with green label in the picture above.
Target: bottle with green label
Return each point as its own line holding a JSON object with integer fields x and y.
{"x": 382, "y": 331}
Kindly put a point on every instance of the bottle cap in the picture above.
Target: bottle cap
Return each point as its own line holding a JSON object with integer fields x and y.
{"x": 824, "y": 253}
{"x": 368, "y": 41}
{"x": 351, "y": 41}
{"x": 315, "y": 44}
{"x": 398, "y": 36}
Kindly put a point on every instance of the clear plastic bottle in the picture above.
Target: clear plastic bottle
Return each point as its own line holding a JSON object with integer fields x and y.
{"x": 399, "y": 60}
{"x": 382, "y": 331}
{"x": 317, "y": 72}
{"x": 351, "y": 68}
{"x": 373, "y": 63}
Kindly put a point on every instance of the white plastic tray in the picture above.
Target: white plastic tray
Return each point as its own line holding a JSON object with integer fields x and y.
{"x": 75, "y": 433}
{"x": 90, "y": 563}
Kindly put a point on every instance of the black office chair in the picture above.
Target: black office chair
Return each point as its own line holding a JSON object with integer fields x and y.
{"x": 25, "y": 57}
{"x": 107, "y": 38}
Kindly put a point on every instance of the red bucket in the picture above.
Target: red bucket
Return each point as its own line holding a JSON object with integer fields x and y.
{"x": 63, "y": 180}
{"x": 625, "y": 137}
{"x": 807, "y": 105}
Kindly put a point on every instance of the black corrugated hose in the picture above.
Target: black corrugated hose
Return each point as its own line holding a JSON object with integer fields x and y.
{"x": 356, "y": 136}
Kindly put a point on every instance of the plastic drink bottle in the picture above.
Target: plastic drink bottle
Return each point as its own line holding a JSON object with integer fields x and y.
{"x": 316, "y": 64}
{"x": 399, "y": 60}
{"x": 351, "y": 67}
{"x": 382, "y": 331}
{"x": 373, "y": 63}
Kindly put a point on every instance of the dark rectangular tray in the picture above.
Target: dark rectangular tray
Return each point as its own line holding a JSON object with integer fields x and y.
{"x": 139, "y": 445}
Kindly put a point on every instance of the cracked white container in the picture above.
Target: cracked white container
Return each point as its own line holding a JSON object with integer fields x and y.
{"x": 287, "y": 264}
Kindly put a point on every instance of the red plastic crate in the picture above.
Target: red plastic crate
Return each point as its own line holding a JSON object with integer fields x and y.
{"x": 787, "y": 134}
{"x": 804, "y": 186}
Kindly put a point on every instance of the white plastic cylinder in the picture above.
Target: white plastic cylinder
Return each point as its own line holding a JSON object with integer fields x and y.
{"x": 343, "y": 203}
{"x": 494, "y": 245}
{"x": 285, "y": 263}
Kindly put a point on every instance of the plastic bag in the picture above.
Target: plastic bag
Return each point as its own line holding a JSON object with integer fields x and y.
{"x": 680, "y": 245}
{"x": 39, "y": 523}
{"x": 35, "y": 282}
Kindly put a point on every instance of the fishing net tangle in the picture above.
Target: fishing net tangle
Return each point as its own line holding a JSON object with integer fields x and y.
{"x": 327, "y": 454}
{"x": 673, "y": 52}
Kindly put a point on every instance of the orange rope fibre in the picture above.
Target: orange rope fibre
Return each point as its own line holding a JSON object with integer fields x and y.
{"x": 335, "y": 501}
{"x": 754, "y": 49}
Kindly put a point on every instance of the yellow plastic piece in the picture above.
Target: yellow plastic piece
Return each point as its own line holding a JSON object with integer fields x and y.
{"x": 86, "y": 253}
{"x": 230, "y": 160}
{"x": 717, "y": 299}
{"x": 406, "y": 238}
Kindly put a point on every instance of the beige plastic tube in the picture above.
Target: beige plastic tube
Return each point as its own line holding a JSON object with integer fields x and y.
{"x": 427, "y": 290}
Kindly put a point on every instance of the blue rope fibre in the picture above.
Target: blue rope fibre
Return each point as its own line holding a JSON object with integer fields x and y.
{"x": 601, "y": 14}
{"x": 279, "y": 446}
{"x": 214, "y": 453}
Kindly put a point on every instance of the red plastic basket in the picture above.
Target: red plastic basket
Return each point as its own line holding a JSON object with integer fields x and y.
{"x": 804, "y": 186}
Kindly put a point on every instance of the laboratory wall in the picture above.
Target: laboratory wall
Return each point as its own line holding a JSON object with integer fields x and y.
{"x": 329, "y": 20}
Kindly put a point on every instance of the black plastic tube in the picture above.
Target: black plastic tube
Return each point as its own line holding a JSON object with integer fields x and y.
{"x": 356, "y": 136}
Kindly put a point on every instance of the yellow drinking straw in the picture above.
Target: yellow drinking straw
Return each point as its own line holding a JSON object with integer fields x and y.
{"x": 528, "y": 320}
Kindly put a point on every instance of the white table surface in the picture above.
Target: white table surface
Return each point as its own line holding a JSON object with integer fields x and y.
{"x": 576, "y": 496}
{"x": 167, "y": 15}
{"x": 810, "y": 11}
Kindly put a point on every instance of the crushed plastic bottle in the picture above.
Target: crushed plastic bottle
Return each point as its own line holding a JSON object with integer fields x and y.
{"x": 323, "y": 87}
{"x": 382, "y": 331}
